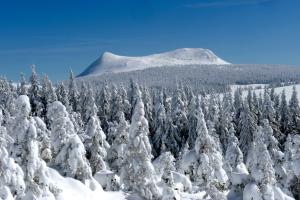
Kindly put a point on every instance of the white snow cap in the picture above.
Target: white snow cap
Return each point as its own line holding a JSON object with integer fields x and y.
{"x": 110, "y": 62}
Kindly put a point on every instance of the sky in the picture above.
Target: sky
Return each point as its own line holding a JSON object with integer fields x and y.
{"x": 58, "y": 35}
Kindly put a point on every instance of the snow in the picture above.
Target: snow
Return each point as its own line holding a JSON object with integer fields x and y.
{"x": 252, "y": 192}
{"x": 109, "y": 62}
{"x": 75, "y": 190}
{"x": 240, "y": 175}
{"x": 278, "y": 90}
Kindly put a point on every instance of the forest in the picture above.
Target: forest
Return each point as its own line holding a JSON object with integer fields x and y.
{"x": 159, "y": 142}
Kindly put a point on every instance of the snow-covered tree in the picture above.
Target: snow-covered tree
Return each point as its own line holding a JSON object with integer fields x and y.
{"x": 192, "y": 120}
{"x": 117, "y": 152}
{"x": 234, "y": 165}
{"x": 276, "y": 154}
{"x": 47, "y": 96}
{"x": 43, "y": 137}
{"x": 247, "y": 127}
{"x": 269, "y": 113}
{"x": 26, "y": 152}
{"x": 260, "y": 165}
{"x": 291, "y": 164}
{"x": 125, "y": 102}
{"x": 238, "y": 107}
{"x": 68, "y": 150}
{"x": 22, "y": 88}
{"x": 159, "y": 125}
{"x": 62, "y": 94}
{"x": 165, "y": 166}
{"x": 34, "y": 93}
{"x": 97, "y": 149}
{"x": 148, "y": 103}
{"x": 294, "y": 113}
{"x": 179, "y": 128}
{"x": 138, "y": 173}
{"x": 11, "y": 175}
{"x": 284, "y": 114}
{"x": 208, "y": 168}
{"x": 116, "y": 103}
{"x": 225, "y": 119}
{"x": 103, "y": 104}
{"x": 73, "y": 92}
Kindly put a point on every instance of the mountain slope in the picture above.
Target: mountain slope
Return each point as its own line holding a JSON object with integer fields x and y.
{"x": 109, "y": 62}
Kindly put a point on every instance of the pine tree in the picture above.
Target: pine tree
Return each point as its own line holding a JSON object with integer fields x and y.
{"x": 137, "y": 172}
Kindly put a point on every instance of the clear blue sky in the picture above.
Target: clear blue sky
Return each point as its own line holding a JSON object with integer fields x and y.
{"x": 57, "y": 35}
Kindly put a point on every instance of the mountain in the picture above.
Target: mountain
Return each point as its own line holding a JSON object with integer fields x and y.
{"x": 110, "y": 62}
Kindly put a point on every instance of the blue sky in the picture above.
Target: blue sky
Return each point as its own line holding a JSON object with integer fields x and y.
{"x": 58, "y": 35}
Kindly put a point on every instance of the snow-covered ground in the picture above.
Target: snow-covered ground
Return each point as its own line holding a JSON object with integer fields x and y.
{"x": 75, "y": 190}
{"x": 109, "y": 62}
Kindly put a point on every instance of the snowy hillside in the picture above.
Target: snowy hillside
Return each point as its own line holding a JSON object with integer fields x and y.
{"x": 109, "y": 62}
{"x": 259, "y": 89}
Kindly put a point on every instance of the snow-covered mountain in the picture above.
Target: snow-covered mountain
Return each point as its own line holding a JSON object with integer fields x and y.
{"x": 109, "y": 62}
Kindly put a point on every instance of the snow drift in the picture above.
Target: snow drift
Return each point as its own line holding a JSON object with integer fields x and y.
{"x": 109, "y": 62}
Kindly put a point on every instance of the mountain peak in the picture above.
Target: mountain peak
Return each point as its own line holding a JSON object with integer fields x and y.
{"x": 111, "y": 63}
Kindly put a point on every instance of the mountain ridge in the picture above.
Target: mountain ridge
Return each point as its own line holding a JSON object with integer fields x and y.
{"x": 112, "y": 63}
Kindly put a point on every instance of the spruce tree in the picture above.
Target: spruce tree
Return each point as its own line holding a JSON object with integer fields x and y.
{"x": 34, "y": 93}
{"x": 138, "y": 172}
{"x": 247, "y": 127}
{"x": 159, "y": 125}
{"x": 68, "y": 150}
{"x": 284, "y": 114}
{"x": 116, "y": 153}
{"x": 208, "y": 171}
{"x": 294, "y": 113}
{"x": 73, "y": 92}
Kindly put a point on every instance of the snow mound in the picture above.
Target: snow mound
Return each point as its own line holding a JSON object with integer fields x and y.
{"x": 75, "y": 190}
{"x": 109, "y": 62}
